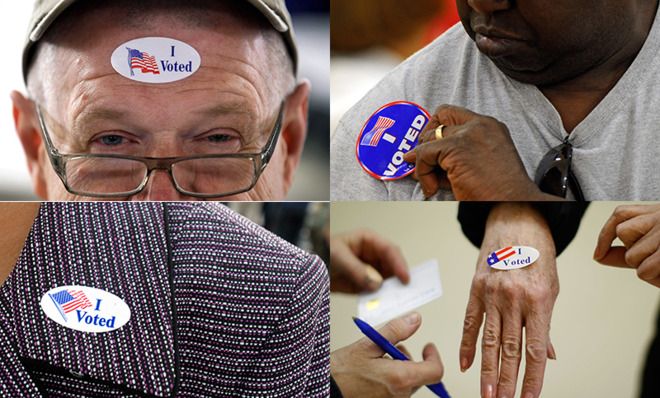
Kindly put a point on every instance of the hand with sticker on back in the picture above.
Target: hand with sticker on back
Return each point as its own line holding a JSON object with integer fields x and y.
{"x": 360, "y": 369}
{"x": 505, "y": 302}
{"x": 361, "y": 259}
{"x": 475, "y": 158}
{"x": 638, "y": 227}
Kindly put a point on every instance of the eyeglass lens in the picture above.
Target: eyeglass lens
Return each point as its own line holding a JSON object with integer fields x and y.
{"x": 205, "y": 176}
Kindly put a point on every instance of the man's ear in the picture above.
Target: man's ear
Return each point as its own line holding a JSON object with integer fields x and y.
{"x": 27, "y": 128}
{"x": 294, "y": 129}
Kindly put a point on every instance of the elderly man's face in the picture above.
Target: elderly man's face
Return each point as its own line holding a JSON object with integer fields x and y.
{"x": 547, "y": 41}
{"x": 229, "y": 105}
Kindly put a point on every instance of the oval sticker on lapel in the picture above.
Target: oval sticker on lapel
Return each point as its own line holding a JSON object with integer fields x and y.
{"x": 512, "y": 257}
{"x": 156, "y": 60}
{"x": 86, "y": 309}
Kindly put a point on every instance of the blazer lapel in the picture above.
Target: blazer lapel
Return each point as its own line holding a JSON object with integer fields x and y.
{"x": 117, "y": 247}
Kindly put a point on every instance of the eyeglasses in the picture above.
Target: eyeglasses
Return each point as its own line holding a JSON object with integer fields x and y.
{"x": 554, "y": 174}
{"x": 202, "y": 176}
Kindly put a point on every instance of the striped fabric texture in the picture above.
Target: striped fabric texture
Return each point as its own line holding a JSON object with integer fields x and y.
{"x": 219, "y": 306}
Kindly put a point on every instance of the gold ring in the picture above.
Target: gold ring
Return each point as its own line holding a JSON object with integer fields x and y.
{"x": 438, "y": 132}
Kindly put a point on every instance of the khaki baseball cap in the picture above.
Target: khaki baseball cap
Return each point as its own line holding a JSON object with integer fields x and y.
{"x": 46, "y": 13}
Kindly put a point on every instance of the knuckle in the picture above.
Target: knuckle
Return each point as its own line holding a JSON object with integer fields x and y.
{"x": 538, "y": 294}
{"x": 398, "y": 382}
{"x": 479, "y": 282}
{"x": 367, "y": 233}
{"x": 621, "y": 231}
{"x": 392, "y": 251}
{"x": 490, "y": 339}
{"x": 536, "y": 351}
{"x": 394, "y": 328}
{"x": 470, "y": 323}
{"x": 511, "y": 291}
{"x": 622, "y": 212}
{"x": 443, "y": 109}
{"x": 491, "y": 289}
{"x": 511, "y": 348}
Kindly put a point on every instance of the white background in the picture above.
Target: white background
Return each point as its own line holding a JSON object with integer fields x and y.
{"x": 14, "y": 178}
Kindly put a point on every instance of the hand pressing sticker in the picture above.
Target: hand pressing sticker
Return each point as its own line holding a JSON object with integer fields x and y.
{"x": 390, "y": 133}
{"x": 512, "y": 257}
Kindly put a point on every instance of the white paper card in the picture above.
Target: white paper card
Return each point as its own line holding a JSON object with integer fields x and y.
{"x": 394, "y": 298}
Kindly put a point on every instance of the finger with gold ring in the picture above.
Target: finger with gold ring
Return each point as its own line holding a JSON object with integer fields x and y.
{"x": 438, "y": 132}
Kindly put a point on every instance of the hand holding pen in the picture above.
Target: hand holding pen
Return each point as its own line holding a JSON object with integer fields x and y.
{"x": 360, "y": 369}
{"x": 389, "y": 348}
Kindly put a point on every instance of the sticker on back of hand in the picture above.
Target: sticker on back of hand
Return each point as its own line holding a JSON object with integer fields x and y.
{"x": 512, "y": 257}
{"x": 155, "y": 60}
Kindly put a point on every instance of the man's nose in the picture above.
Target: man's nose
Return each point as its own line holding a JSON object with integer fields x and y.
{"x": 489, "y": 6}
{"x": 160, "y": 187}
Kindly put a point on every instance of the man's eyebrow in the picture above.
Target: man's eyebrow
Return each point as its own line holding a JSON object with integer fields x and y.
{"x": 97, "y": 114}
{"x": 227, "y": 108}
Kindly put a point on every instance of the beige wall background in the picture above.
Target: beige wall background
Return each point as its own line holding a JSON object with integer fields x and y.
{"x": 602, "y": 323}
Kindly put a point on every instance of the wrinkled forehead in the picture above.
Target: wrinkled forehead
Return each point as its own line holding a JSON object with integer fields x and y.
{"x": 227, "y": 45}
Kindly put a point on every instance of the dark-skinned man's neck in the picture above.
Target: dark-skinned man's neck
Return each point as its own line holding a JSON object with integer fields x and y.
{"x": 574, "y": 99}
{"x": 16, "y": 220}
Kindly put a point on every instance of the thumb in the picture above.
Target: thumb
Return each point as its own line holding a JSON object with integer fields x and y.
{"x": 394, "y": 331}
{"x": 615, "y": 256}
{"x": 361, "y": 275}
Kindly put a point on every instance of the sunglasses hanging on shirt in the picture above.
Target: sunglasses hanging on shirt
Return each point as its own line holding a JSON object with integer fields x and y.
{"x": 554, "y": 174}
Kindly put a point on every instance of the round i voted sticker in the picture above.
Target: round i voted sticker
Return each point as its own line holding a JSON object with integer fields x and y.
{"x": 391, "y": 132}
{"x": 512, "y": 257}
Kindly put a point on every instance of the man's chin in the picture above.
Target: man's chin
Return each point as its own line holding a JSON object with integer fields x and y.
{"x": 529, "y": 73}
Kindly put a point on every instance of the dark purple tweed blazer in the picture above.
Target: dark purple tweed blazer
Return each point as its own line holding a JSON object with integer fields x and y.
{"x": 219, "y": 306}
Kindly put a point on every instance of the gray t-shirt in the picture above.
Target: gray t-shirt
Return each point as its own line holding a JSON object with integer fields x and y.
{"x": 615, "y": 149}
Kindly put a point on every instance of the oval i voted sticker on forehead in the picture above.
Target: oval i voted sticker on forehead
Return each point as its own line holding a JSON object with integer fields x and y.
{"x": 156, "y": 60}
{"x": 391, "y": 132}
{"x": 512, "y": 257}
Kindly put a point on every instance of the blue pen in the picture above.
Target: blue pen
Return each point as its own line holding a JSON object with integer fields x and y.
{"x": 380, "y": 341}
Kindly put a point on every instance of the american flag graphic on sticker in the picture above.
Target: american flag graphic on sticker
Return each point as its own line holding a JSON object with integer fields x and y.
{"x": 389, "y": 133}
{"x": 143, "y": 61}
{"x": 512, "y": 257}
{"x": 372, "y": 138}
{"x": 70, "y": 300}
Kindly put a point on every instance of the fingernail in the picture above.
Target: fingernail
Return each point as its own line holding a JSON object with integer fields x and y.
{"x": 413, "y": 318}
{"x": 464, "y": 364}
{"x": 597, "y": 254}
{"x": 374, "y": 280}
{"x": 553, "y": 354}
{"x": 529, "y": 395}
{"x": 489, "y": 391}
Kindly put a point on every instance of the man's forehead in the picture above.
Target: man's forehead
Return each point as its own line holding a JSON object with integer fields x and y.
{"x": 89, "y": 37}
{"x": 232, "y": 54}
